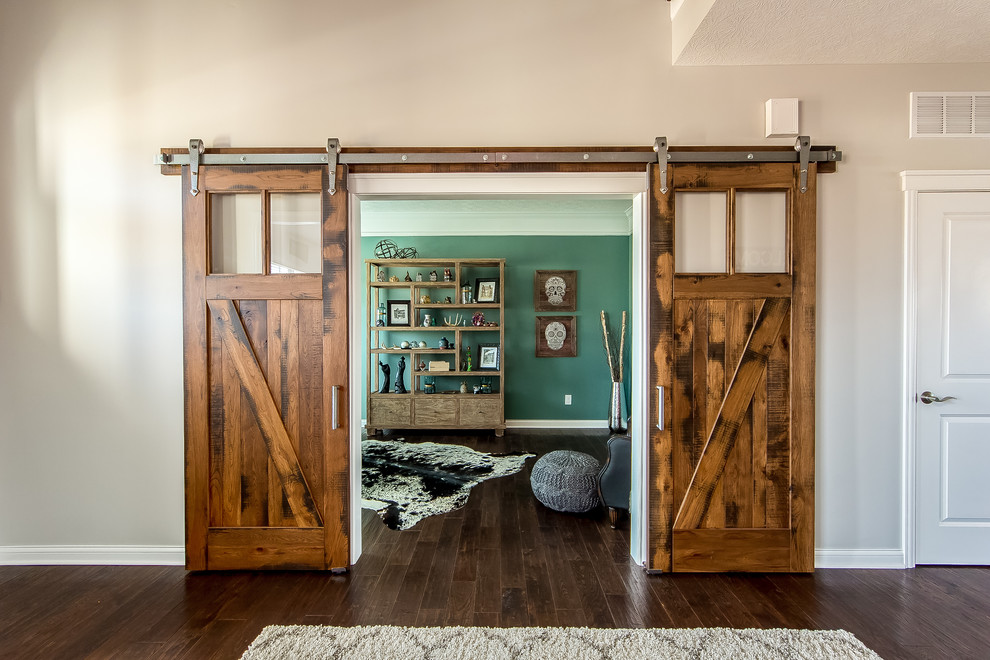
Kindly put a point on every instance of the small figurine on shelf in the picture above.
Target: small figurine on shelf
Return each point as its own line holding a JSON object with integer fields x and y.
{"x": 433, "y": 321}
{"x": 433, "y": 276}
{"x": 385, "y": 372}
{"x": 419, "y": 277}
{"x": 446, "y": 300}
{"x": 477, "y": 389}
{"x": 478, "y": 319}
{"x": 400, "y": 378}
{"x": 382, "y": 275}
{"x": 467, "y": 360}
{"x": 447, "y": 277}
{"x": 463, "y": 387}
{"x": 425, "y": 299}
{"x": 394, "y": 278}
{"x": 408, "y": 279}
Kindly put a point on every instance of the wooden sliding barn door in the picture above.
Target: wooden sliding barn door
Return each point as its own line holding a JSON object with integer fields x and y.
{"x": 265, "y": 357}
{"x": 732, "y": 318}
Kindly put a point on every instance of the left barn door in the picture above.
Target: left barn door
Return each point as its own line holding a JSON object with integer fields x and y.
{"x": 266, "y": 367}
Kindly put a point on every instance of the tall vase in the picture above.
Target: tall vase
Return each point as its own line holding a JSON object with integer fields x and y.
{"x": 616, "y": 409}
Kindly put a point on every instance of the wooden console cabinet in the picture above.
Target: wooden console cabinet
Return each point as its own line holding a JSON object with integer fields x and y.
{"x": 446, "y": 407}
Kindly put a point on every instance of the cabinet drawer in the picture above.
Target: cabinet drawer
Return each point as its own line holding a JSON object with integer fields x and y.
{"x": 434, "y": 410}
{"x": 387, "y": 412}
{"x": 481, "y": 412}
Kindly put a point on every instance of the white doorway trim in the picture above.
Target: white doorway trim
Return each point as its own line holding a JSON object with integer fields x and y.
{"x": 913, "y": 183}
{"x": 634, "y": 185}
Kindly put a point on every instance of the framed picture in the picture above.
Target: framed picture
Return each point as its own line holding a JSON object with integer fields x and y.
{"x": 555, "y": 290}
{"x": 488, "y": 357}
{"x": 398, "y": 312}
{"x": 486, "y": 290}
{"x": 556, "y": 336}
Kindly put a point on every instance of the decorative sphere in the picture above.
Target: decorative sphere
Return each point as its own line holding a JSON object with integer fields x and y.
{"x": 386, "y": 249}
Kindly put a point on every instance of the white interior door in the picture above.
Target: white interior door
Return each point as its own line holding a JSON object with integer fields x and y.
{"x": 953, "y": 364}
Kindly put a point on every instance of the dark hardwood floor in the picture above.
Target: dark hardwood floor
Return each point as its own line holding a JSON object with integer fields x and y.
{"x": 502, "y": 560}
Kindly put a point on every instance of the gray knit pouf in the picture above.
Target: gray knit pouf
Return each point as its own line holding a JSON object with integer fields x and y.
{"x": 566, "y": 481}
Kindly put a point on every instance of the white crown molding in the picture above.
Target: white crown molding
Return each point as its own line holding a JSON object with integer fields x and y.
{"x": 854, "y": 558}
{"x": 92, "y": 555}
{"x": 404, "y": 223}
{"x": 944, "y": 180}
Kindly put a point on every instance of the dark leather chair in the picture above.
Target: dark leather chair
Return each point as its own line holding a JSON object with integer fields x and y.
{"x": 614, "y": 479}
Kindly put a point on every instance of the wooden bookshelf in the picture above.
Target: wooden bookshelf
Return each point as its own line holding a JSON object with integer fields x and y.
{"x": 446, "y": 407}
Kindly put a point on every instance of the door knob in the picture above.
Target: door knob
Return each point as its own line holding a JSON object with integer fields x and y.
{"x": 928, "y": 397}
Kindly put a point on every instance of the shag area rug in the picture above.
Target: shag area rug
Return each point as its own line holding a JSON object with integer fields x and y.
{"x": 406, "y": 482}
{"x": 399, "y": 643}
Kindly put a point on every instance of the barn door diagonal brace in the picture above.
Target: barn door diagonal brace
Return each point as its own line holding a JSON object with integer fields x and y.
{"x": 660, "y": 146}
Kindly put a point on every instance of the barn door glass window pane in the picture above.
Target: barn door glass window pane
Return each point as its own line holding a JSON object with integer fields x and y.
{"x": 295, "y": 221}
{"x": 699, "y": 232}
{"x": 236, "y": 233}
{"x": 761, "y": 232}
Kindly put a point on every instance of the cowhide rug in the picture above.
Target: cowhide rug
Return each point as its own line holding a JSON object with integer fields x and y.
{"x": 406, "y": 482}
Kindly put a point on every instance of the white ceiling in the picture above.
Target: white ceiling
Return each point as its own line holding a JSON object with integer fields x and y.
{"x": 707, "y": 32}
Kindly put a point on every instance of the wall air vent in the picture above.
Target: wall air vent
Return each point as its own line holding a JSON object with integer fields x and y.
{"x": 950, "y": 114}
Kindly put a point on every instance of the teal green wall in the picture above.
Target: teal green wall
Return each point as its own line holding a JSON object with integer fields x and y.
{"x": 535, "y": 387}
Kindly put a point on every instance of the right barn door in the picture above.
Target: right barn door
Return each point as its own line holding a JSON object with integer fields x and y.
{"x": 732, "y": 318}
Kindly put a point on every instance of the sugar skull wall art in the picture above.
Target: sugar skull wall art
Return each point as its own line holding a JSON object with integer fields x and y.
{"x": 556, "y": 336}
{"x": 555, "y": 291}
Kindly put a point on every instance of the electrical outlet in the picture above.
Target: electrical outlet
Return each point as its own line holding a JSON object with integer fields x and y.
{"x": 567, "y": 399}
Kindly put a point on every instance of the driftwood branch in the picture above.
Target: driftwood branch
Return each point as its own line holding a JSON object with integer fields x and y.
{"x": 622, "y": 344}
{"x": 608, "y": 352}
{"x": 615, "y": 365}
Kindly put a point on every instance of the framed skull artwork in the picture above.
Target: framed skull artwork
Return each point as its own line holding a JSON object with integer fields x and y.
{"x": 555, "y": 291}
{"x": 556, "y": 336}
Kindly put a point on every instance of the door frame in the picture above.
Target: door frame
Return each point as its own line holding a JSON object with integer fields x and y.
{"x": 913, "y": 183}
{"x": 406, "y": 185}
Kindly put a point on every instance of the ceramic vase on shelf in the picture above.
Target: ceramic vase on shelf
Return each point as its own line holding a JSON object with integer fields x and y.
{"x": 617, "y": 409}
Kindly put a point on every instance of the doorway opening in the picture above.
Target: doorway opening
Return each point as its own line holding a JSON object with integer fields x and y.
{"x": 506, "y": 205}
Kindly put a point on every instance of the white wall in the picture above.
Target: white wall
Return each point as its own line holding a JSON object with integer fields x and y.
{"x": 90, "y": 255}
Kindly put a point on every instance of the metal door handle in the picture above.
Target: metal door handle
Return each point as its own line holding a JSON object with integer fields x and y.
{"x": 660, "y": 407}
{"x": 927, "y": 397}
{"x": 333, "y": 407}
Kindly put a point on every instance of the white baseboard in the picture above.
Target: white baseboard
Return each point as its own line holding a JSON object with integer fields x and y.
{"x": 92, "y": 555}
{"x": 546, "y": 423}
{"x": 556, "y": 424}
{"x": 886, "y": 558}
{"x": 145, "y": 555}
